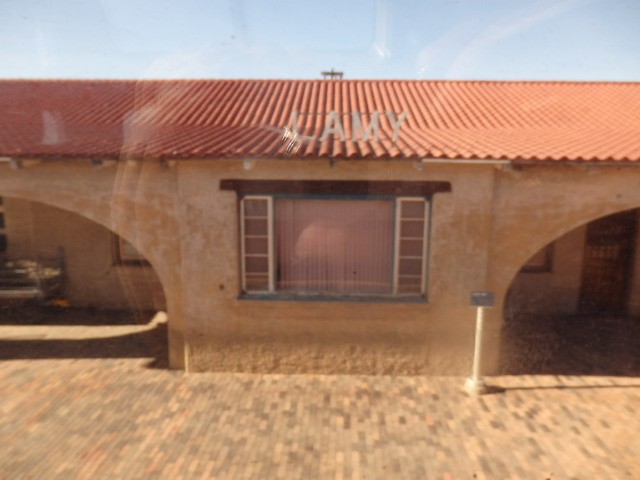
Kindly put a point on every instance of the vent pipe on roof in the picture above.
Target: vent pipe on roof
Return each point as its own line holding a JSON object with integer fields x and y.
{"x": 331, "y": 74}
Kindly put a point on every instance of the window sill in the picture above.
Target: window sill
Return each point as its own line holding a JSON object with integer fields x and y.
{"x": 334, "y": 298}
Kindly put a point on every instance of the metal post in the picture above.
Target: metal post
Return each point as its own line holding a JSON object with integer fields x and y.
{"x": 475, "y": 384}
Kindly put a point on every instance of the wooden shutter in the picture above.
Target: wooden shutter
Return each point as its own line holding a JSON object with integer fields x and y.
{"x": 256, "y": 225}
{"x": 412, "y": 223}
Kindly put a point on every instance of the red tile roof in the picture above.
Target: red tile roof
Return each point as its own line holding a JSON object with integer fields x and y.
{"x": 521, "y": 121}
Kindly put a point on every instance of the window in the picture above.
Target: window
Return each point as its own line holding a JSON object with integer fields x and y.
{"x": 124, "y": 253}
{"x": 334, "y": 246}
{"x": 3, "y": 232}
{"x": 541, "y": 262}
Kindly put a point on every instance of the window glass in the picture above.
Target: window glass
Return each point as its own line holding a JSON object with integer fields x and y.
{"x": 337, "y": 246}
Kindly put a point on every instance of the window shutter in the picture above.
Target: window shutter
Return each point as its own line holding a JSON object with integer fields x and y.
{"x": 411, "y": 245}
{"x": 257, "y": 243}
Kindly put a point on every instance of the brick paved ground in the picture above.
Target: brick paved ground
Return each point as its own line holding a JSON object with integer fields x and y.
{"x": 116, "y": 418}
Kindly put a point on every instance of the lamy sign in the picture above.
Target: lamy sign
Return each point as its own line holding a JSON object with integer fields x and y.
{"x": 361, "y": 130}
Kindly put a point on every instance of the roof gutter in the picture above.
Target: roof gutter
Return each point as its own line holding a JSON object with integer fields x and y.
{"x": 524, "y": 163}
{"x": 464, "y": 161}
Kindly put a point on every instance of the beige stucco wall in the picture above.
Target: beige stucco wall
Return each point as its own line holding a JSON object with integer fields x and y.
{"x": 227, "y": 333}
{"x": 91, "y": 276}
{"x": 482, "y": 232}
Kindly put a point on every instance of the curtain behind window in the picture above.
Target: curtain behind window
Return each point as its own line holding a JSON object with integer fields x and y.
{"x": 334, "y": 246}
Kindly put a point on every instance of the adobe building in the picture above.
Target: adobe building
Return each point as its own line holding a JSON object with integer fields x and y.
{"x": 327, "y": 226}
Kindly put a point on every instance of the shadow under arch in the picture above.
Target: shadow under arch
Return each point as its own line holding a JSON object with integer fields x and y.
{"x": 103, "y": 294}
{"x": 572, "y": 306}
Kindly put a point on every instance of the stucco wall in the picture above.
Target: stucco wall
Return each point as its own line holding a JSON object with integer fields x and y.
{"x": 228, "y": 333}
{"x": 91, "y": 276}
{"x": 482, "y": 232}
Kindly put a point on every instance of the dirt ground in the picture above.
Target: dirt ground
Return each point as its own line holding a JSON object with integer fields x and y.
{"x": 551, "y": 345}
{"x": 571, "y": 345}
{"x": 39, "y": 332}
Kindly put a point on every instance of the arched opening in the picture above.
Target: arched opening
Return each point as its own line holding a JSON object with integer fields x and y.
{"x": 574, "y": 306}
{"x": 72, "y": 288}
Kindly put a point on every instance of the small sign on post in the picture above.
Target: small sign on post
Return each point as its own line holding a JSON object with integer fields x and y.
{"x": 482, "y": 299}
{"x": 475, "y": 384}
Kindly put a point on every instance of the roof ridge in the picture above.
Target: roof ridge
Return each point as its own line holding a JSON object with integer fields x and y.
{"x": 312, "y": 80}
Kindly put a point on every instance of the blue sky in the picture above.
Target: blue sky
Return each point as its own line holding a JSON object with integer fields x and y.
{"x": 465, "y": 39}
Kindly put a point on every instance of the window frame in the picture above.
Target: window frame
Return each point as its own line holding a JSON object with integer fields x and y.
{"x": 546, "y": 266}
{"x": 117, "y": 253}
{"x": 394, "y": 295}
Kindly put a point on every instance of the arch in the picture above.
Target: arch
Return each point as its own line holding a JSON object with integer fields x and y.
{"x": 559, "y": 231}
{"x": 87, "y": 214}
{"x": 127, "y": 298}
{"x": 134, "y": 199}
{"x": 20, "y": 233}
{"x": 575, "y": 305}
{"x": 534, "y": 206}
{"x": 113, "y": 197}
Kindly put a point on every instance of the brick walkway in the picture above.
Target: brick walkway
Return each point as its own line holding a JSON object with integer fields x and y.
{"x": 84, "y": 402}
{"x": 116, "y": 419}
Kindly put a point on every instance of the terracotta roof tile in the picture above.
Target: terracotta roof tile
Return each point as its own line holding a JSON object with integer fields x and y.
{"x": 521, "y": 121}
